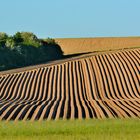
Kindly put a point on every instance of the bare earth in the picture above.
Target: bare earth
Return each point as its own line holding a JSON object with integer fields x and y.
{"x": 96, "y": 86}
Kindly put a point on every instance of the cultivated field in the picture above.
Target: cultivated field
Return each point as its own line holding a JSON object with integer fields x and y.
{"x": 96, "y": 86}
{"x": 82, "y": 45}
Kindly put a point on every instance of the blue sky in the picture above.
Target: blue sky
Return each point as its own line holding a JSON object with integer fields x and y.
{"x": 71, "y": 18}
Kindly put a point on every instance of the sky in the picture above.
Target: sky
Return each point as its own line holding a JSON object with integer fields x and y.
{"x": 71, "y": 18}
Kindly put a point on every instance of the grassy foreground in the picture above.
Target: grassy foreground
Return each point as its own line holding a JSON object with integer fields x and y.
{"x": 108, "y": 129}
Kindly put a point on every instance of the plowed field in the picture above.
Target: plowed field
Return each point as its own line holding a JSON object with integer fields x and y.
{"x": 99, "y": 86}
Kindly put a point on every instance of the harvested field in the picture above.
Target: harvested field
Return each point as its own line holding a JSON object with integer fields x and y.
{"x": 100, "y": 86}
{"x": 82, "y": 45}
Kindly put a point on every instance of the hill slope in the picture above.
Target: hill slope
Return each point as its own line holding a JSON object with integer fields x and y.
{"x": 82, "y": 45}
{"x": 98, "y": 86}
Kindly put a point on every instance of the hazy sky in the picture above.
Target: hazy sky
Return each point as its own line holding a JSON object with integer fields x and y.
{"x": 71, "y": 18}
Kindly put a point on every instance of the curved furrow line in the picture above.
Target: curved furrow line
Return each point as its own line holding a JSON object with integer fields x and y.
{"x": 2, "y": 82}
{"x": 87, "y": 90}
{"x": 57, "y": 96}
{"x": 133, "y": 105}
{"x": 124, "y": 76}
{"x": 64, "y": 110}
{"x": 132, "y": 73}
{"x": 7, "y": 93}
{"x": 103, "y": 87}
{"x": 37, "y": 101}
{"x": 137, "y": 61}
{"x": 120, "y": 75}
{"x": 76, "y": 91}
{"x": 136, "y": 54}
{"x": 33, "y": 91}
{"x": 89, "y": 82}
{"x": 74, "y": 110}
{"x": 42, "y": 99}
{"x": 133, "y": 112}
{"x": 128, "y": 113}
{"x": 91, "y": 65}
{"x": 134, "y": 80}
{"x": 105, "y": 79}
{"x": 128, "y": 76}
{"x": 14, "y": 109}
{"x": 60, "y": 91}
{"x": 115, "y": 109}
{"x": 122, "y": 109}
{"x": 27, "y": 108}
{"x": 6, "y": 86}
{"x": 12, "y": 87}
{"x": 116, "y": 73}
{"x": 97, "y": 79}
{"x": 47, "y": 99}
{"x": 18, "y": 91}
{"x": 88, "y": 97}
{"x": 113, "y": 89}
{"x": 106, "y": 112}
{"x": 42, "y": 85}
{"x": 37, "y": 85}
{"x": 59, "y": 109}
{"x": 134, "y": 64}
{"x": 8, "y": 103}
{"x": 51, "y": 94}
{"x": 87, "y": 110}
{"x": 3, "y": 85}
{"x": 100, "y": 80}
{"x": 133, "y": 96}
{"x": 137, "y": 104}
{"x": 70, "y": 105}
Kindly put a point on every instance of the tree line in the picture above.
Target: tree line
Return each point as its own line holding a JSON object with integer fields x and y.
{"x": 25, "y": 48}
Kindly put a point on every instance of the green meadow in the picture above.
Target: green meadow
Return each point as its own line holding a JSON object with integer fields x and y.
{"x": 107, "y": 129}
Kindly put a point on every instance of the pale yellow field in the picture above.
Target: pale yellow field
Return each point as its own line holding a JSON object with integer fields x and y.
{"x": 82, "y": 45}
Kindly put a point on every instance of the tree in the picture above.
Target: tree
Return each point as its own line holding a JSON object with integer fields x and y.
{"x": 10, "y": 43}
{"x": 50, "y": 41}
{"x": 3, "y": 36}
{"x": 24, "y": 48}
{"x": 30, "y": 39}
{"x": 18, "y": 37}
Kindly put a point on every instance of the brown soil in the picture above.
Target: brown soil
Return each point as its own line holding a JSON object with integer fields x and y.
{"x": 104, "y": 85}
